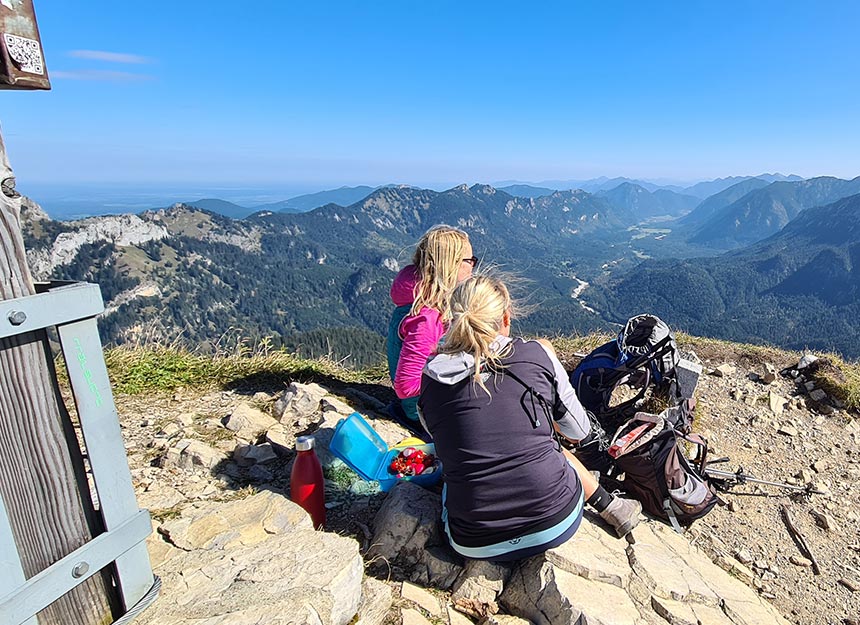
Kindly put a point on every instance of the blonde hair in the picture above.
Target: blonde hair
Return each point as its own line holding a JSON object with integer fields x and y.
{"x": 437, "y": 258}
{"x": 478, "y": 307}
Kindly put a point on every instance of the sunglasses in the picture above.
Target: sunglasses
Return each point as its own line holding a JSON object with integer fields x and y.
{"x": 472, "y": 261}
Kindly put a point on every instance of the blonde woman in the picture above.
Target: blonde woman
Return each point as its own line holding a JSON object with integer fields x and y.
{"x": 420, "y": 292}
{"x": 491, "y": 402}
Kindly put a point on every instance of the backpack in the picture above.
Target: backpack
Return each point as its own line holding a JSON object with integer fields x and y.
{"x": 644, "y": 355}
{"x": 656, "y": 470}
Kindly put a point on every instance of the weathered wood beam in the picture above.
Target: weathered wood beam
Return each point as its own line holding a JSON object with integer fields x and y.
{"x": 37, "y": 476}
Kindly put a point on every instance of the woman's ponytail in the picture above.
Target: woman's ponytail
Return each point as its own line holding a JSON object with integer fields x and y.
{"x": 478, "y": 306}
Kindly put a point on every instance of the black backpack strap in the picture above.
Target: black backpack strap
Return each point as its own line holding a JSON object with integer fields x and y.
{"x": 659, "y": 348}
{"x": 530, "y": 390}
{"x": 698, "y": 463}
{"x": 547, "y": 407}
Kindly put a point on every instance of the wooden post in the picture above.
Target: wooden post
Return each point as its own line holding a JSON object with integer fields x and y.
{"x": 37, "y": 475}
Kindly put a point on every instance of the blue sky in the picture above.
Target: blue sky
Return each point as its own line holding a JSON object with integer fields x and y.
{"x": 430, "y": 93}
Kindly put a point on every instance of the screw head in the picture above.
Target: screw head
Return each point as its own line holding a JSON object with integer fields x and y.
{"x": 80, "y": 569}
{"x": 17, "y": 317}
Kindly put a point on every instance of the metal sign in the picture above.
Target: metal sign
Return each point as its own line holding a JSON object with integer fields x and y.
{"x": 22, "y": 61}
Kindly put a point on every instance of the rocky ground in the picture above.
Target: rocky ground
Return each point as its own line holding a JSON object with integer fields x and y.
{"x": 784, "y": 430}
{"x": 193, "y": 447}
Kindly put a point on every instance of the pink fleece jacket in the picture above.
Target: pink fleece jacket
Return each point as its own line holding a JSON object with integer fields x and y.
{"x": 420, "y": 334}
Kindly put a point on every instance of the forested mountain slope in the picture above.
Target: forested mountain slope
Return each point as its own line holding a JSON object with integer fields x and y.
{"x": 799, "y": 288}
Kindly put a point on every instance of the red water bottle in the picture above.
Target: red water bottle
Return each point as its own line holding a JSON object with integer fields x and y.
{"x": 306, "y": 481}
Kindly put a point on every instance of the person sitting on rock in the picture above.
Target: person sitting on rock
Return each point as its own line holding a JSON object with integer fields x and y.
{"x": 491, "y": 403}
{"x": 420, "y": 292}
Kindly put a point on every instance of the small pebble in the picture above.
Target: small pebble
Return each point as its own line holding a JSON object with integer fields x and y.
{"x": 849, "y": 584}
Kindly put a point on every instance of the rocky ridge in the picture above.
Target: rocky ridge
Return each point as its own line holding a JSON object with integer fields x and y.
{"x": 214, "y": 469}
{"x": 121, "y": 230}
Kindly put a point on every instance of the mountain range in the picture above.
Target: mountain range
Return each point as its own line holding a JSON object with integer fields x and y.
{"x": 302, "y": 203}
{"x": 222, "y": 207}
{"x": 708, "y": 188}
{"x": 714, "y": 203}
{"x": 319, "y": 279}
{"x": 187, "y": 272}
{"x": 645, "y": 204}
{"x": 700, "y": 190}
{"x": 763, "y": 211}
{"x": 80, "y": 201}
{"x": 798, "y": 288}
{"x": 526, "y": 190}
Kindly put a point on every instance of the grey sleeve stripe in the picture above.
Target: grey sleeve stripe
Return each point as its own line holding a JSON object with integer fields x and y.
{"x": 570, "y": 417}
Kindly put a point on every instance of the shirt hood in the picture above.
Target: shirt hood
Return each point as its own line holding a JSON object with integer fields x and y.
{"x": 451, "y": 369}
{"x": 403, "y": 287}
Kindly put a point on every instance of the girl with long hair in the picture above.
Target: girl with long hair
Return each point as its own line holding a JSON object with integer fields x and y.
{"x": 420, "y": 292}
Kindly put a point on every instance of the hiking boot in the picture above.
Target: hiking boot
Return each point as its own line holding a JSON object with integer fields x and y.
{"x": 622, "y": 515}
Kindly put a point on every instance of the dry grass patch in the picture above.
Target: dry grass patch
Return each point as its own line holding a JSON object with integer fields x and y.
{"x": 839, "y": 379}
{"x": 139, "y": 369}
{"x": 744, "y": 354}
{"x": 570, "y": 348}
{"x": 235, "y": 495}
{"x": 166, "y": 514}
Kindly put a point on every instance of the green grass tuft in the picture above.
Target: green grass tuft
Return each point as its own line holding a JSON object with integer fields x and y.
{"x": 342, "y": 476}
{"x": 158, "y": 368}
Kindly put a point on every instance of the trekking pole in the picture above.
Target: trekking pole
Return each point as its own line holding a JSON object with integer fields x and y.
{"x": 739, "y": 477}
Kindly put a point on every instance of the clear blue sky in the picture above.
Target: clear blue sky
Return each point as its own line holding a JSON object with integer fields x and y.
{"x": 282, "y": 92}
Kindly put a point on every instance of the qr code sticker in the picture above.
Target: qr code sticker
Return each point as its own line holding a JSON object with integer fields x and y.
{"x": 26, "y": 53}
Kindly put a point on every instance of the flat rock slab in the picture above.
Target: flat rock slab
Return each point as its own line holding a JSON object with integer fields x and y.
{"x": 244, "y": 522}
{"x": 159, "y": 497}
{"x": 547, "y": 595}
{"x": 593, "y": 578}
{"x": 192, "y": 454}
{"x": 248, "y": 422}
{"x": 422, "y": 598}
{"x": 256, "y": 560}
{"x": 666, "y": 572}
{"x": 597, "y": 579}
{"x": 593, "y": 554}
{"x": 375, "y": 602}
{"x": 679, "y": 613}
{"x": 411, "y": 616}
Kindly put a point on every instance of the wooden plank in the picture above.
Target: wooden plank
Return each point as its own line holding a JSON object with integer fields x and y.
{"x": 37, "y": 479}
{"x": 10, "y": 564}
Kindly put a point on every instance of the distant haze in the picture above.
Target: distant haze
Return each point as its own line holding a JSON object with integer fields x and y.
{"x": 75, "y": 201}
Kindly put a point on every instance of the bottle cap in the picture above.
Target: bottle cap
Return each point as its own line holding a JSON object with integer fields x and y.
{"x": 304, "y": 443}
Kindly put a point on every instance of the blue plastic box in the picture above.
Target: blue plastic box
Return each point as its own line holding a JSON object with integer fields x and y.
{"x": 364, "y": 451}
